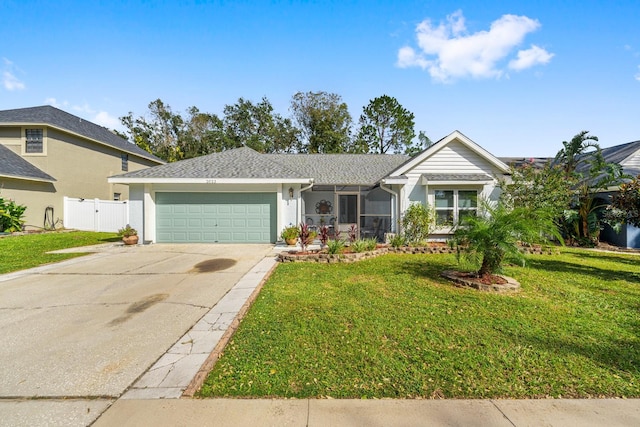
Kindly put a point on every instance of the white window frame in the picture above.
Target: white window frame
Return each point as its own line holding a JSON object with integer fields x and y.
{"x": 24, "y": 141}
{"x": 456, "y": 204}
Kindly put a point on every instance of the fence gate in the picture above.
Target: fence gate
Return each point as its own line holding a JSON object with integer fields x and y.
{"x": 95, "y": 214}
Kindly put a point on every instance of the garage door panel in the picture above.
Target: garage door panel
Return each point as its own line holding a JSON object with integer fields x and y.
{"x": 239, "y": 223}
{"x": 239, "y": 209}
{"x": 216, "y": 217}
{"x": 254, "y": 223}
{"x": 178, "y": 223}
{"x": 224, "y": 209}
{"x": 225, "y": 223}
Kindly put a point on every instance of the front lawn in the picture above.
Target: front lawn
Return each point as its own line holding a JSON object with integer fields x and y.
{"x": 390, "y": 327}
{"x": 27, "y": 251}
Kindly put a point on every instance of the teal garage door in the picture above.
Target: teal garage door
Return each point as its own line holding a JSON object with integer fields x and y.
{"x": 215, "y": 217}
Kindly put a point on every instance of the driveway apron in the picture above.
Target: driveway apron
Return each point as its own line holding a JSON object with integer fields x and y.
{"x": 88, "y": 328}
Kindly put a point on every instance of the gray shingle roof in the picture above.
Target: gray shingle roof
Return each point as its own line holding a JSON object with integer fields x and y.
{"x": 619, "y": 153}
{"x": 12, "y": 165}
{"x": 616, "y": 154}
{"x": 237, "y": 163}
{"x": 457, "y": 177}
{"x": 335, "y": 169}
{"x": 324, "y": 169}
{"x": 52, "y": 116}
{"x": 536, "y": 162}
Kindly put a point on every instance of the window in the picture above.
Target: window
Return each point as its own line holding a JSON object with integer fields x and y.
{"x": 452, "y": 206}
{"x": 125, "y": 161}
{"x": 444, "y": 208}
{"x": 33, "y": 141}
{"x": 116, "y": 196}
{"x": 467, "y": 203}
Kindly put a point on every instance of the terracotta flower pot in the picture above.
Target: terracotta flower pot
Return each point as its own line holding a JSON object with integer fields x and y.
{"x": 130, "y": 240}
{"x": 292, "y": 241}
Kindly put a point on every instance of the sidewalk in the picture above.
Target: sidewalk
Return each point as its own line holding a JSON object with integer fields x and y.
{"x": 262, "y": 412}
{"x": 154, "y": 399}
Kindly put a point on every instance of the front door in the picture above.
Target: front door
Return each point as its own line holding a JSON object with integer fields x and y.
{"x": 347, "y": 212}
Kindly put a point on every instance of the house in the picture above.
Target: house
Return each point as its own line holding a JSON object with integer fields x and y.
{"x": 628, "y": 156}
{"x": 47, "y": 154}
{"x": 240, "y": 195}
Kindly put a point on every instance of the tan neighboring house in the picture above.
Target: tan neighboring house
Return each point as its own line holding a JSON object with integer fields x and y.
{"x": 47, "y": 154}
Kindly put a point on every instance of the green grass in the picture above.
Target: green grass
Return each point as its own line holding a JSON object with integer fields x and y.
{"x": 390, "y": 327}
{"x": 26, "y": 251}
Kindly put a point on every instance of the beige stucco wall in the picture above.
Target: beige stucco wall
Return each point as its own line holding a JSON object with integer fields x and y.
{"x": 80, "y": 167}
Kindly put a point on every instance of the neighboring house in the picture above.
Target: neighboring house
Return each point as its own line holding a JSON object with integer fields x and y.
{"x": 46, "y": 154}
{"x": 628, "y": 156}
{"x": 240, "y": 195}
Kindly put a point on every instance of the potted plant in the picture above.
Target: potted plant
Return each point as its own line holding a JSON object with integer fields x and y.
{"x": 290, "y": 235}
{"x": 129, "y": 235}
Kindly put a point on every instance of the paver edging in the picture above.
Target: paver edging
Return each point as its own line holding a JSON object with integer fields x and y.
{"x": 198, "y": 380}
{"x": 349, "y": 257}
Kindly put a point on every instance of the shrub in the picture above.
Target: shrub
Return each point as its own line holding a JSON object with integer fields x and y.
{"x": 335, "y": 246}
{"x": 306, "y": 236}
{"x": 370, "y": 244}
{"x": 324, "y": 235}
{"x": 397, "y": 241}
{"x": 127, "y": 231}
{"x": 11, "y": 215}
{"x": 290, "y": 232}
{"x": 363, "y": 245}
{"x": 353, "y": 233}
{"x": 417, "y": 222}
{"x": 358, "y": 246}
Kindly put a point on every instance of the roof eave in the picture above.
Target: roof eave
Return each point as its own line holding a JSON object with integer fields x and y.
{"x": 28, "y": 178}
{"x": 395, "y": 180}
{"x": 21, "y": 124}
{"x": 138, "y": 180}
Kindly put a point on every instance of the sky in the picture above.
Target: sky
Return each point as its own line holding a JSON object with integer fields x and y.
{"x": 516, "y": 77}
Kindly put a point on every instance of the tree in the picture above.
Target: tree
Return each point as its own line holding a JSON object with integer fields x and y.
{"x": 160, "y": 134}
{"x": 574, "y": 150}
{"x": 203, "y": 134}
{"x": 496, "y": 232}
{"x": 256, "y": 126}
{"x": 548, "y": 188}
{"x": 590, "y": 174}
{"x": 386, "y": 126}
{"x": 324, "y": 122}
{"x": 423, "y": 143}
{"x": 625, "y": 205}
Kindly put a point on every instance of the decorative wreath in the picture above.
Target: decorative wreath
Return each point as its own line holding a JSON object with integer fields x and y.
{"x": 324, "y": 207}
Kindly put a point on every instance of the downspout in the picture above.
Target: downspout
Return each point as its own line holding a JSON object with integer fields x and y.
{"x": 394, "y": 210}
{"x": 299, "y": 213}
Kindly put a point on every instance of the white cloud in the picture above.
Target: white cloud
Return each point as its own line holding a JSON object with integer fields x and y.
{"x": 448, "y": 52}
{"x": 107, "y": 120}
{"x": 9, "y": 79}
{"x": 637, "y": 76}
{"x": 530, "y": 57}
{"x": 54, "y": 103}
{"x": 101, "y": 118}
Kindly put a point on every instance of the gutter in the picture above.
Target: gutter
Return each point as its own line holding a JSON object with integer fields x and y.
{"x": 299, "y": 213}
{"x": 394, "y": 211}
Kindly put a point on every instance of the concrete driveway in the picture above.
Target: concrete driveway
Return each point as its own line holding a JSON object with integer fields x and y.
{"x": 76, "y": 335}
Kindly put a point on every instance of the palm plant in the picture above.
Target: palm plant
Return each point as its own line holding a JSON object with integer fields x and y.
{"x": 497, "y": 232}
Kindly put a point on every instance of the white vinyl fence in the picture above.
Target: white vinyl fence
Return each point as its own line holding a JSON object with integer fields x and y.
{"x": 95, "y": 214}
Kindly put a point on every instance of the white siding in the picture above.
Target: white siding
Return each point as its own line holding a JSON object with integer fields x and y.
{"x": 633, "y": 161}
{"x": 453, "y": 158}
